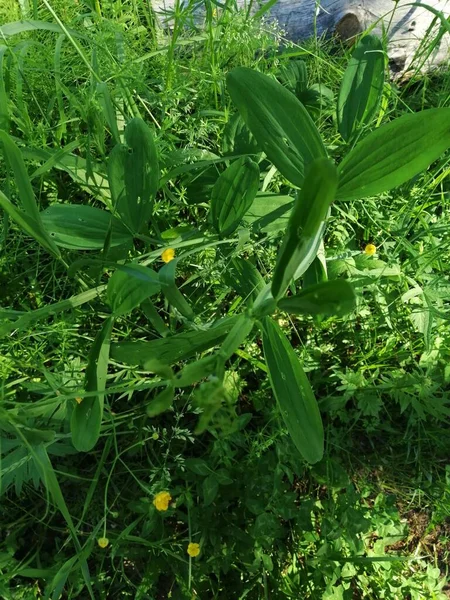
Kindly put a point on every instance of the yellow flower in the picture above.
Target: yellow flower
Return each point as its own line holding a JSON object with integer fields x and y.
{"x": 78, "y": 400}
{"x": 102, "y": 542}
{"x": 193, "y": 549}
{"x": 370, "y": 249}
{"x": 168, "y": 255}
{"x": 161, "y": 501}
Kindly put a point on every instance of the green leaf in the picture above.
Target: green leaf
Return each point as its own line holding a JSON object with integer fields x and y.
{"x": 306, "y": 224}
{"x": 4, "y": 100}
{"x": 237, "y": 336}
{"x": 27, "y": 318}
{"x": 127, "y": 289}
{"x": 330, "y": 298}
{"x": 171, "y": 291}
{"x": 29, "y": 219}
{"x": 87, "y": 416}
{"x": 210, "y": 490}
{"x": 233, "y": 194}
{"x": 133, "y": 175}
{"x": 269, "y": 212}
{"x": 293, "y": 392}
{"x": 161, "y": 402}
{"x": 394, "y": 153}
{"x": 237, "y": 138}
{"x": 108, "y": 109}
{"x": 317, "y": 270}
{"x": 362, "y": 87}
{"x": 279, "y": 122}
{"x": 244, "y": 278}
{"x": 79, "y": 227}
{"x": 172, "y": 349}
{"x": 294, "y": 75}
{"x": 34, "y": 228}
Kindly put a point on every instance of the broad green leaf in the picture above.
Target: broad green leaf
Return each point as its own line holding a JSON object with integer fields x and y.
{"x": 330, "y": 298}
{"x": 233, "y": 194}
{"x": 295, "y": 76}
{"x": 362, "y": 87}
{"x": 244, "y": 278}
{"x": 171, "y": 291}
{"x": 293, "y": 392}
{"x": 79, "y": 227}
{"x": 269, "y": 212}
{"x": 237, "y": 138}
{"x": 34, "y": 228}
{"x": 127, "y": 289}
{"x": 306, "y": 224}
{"x": 87, "y": 416}
{"x": 133, "y": 175}
{"x": 279, "y": 122}
{"x": 394, "y": 153}
{"x": 171, "y": 350}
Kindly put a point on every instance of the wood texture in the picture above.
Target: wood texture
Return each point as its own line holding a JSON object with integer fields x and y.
{"x": 406, "y": 26}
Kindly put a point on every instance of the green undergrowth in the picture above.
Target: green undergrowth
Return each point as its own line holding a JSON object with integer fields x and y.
{"x": 371, "y": 518}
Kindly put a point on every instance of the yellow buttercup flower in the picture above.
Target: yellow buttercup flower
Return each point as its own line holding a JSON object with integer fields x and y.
{"x": 168, "y": 254}
{"x": 162, "y": 500}
{"x": 370, "y": 249}
{"x": 193, "y": 549}
{"x": 103, "y": 542}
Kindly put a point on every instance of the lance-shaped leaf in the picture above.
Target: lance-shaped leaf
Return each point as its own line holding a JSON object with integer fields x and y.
{"x": 394, "y": 153}
{"x": 233, "y": 194}
{"x": 79, "y": 227}
{"x": 306, "y": 224}
{"x": 293, "y": 392}
{"x": 244, "y": 278}
{"x": 330, "y": 298}
{"x": 170, "y": 290}
{"x": 172, "y": 349}
{"x": 279, "y": 122}
{"x": 362, "y": 87}
{"x": 133, "y": 175}
{"x": 87, "y": 415}
{"x": 29, "y": 219}
{"x": 127, "y": 289}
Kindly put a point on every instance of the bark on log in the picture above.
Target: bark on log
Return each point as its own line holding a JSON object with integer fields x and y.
{"x": 407, "y": 27}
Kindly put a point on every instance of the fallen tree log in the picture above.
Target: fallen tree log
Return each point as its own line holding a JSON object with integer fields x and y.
{"x": 410, "y": 28}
